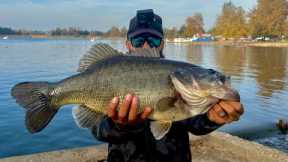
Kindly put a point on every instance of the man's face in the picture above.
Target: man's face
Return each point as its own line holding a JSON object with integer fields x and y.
{"x": 144, "y": 41}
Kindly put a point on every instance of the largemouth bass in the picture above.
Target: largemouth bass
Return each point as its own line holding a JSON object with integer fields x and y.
{"x": 175, "y": 90}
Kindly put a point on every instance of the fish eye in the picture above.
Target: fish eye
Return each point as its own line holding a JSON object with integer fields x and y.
{"x": 222, "y": 78}
{"x": 211, "y": 71}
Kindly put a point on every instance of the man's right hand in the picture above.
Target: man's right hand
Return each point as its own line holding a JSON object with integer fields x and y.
{"x": 127, "y": 113}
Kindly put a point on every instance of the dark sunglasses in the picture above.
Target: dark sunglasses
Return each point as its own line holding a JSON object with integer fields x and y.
{"x": 139, "y": 41}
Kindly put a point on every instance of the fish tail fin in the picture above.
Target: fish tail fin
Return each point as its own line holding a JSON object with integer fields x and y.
{"x": 34, "y": 97}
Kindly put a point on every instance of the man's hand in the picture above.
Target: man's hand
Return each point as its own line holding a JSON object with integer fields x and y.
{"x": 225, "y": 112}
{"x": 127, "y": 113}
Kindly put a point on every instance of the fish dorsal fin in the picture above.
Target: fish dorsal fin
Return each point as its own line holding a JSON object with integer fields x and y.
{"x": 146, "y": 52}
{"x": 86, "y": 117}
{"x": 97, "y": 52}
{"x": 160, "y": 128}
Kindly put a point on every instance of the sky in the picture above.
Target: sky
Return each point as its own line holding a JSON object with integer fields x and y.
{"x": 102, "y": 14}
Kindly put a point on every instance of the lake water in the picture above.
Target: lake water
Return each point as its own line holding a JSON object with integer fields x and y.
{"x": 259, "y": 74}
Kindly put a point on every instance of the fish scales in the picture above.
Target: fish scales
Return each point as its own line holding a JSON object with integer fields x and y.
{"x": 145, "y": 77}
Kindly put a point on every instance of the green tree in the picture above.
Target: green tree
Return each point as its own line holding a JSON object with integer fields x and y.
{"x": 268, "y": 18}
{"x": 71, "y": 31}
{"x": 231, "y": 23}
{"x": 4, "y": 30}
{"x": 181, "y": 31}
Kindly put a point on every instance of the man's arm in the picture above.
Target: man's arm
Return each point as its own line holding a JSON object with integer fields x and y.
{"x": 123, "y": 124}
{"x": 222, "y": 113}
{"x": 199, "y": 125}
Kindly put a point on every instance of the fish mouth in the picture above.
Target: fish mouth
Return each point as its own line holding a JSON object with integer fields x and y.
{"x": 231, "y": 94}
{"x": 225, "y": 92}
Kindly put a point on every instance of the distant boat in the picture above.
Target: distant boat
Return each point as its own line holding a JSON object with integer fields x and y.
{"x": 6, "y": 37}
{"x": 92, "y": 39}
{"x": 181, "y": 40}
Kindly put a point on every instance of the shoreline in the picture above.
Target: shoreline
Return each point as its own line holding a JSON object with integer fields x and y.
{"x": 238, "y": 44}
{"x": 215, "y": 147}
{"x": 282, "y": 44}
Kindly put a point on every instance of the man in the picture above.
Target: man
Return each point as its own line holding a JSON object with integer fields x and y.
{"x": 128, "y": 134}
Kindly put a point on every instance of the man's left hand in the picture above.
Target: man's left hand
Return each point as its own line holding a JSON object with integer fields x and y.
{"x": 225, "y": 112}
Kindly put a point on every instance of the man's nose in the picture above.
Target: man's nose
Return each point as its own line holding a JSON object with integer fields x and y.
{"x": 146, "y": 45}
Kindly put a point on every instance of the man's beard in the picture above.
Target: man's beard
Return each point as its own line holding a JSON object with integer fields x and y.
{"x": 159, "y": 51}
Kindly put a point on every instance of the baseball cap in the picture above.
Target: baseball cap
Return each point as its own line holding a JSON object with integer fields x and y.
{"x": 145, "y": 22}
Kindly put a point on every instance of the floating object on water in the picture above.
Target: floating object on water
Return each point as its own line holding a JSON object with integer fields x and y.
{"x": 92, "y": 39}
{"x": 282, "y": 125}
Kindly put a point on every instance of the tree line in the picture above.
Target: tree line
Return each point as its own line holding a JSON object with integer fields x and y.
{"x": 112, "y": 32}
{"x": 71, "y": 31}
{"x": 268, "y": 19}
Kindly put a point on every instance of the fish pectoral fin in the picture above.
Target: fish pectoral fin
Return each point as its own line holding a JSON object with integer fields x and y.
{"x": 97, "y": 52}
{"x": 160, "y": 128}
{"x": 164, "y": 103}
{"x": 86, "y": 117}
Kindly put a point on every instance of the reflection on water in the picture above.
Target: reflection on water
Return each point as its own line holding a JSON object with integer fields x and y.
{"x": 230, "y": 60}
{"x": 194, "y": 54}
{"x": 259, "y": 74}
{"x": 270, "y": 66}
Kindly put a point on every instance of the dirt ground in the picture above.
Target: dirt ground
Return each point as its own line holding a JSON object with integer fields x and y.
{"x": 215, "y": 147}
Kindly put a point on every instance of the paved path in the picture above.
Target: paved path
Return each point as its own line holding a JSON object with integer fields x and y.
{"x": 215, "y": 147}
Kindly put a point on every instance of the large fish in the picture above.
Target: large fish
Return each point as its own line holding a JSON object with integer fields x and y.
{"x": 176, "y": 90}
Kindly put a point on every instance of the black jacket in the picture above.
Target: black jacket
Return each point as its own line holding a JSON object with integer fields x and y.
{"x": 137, "y": 144}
